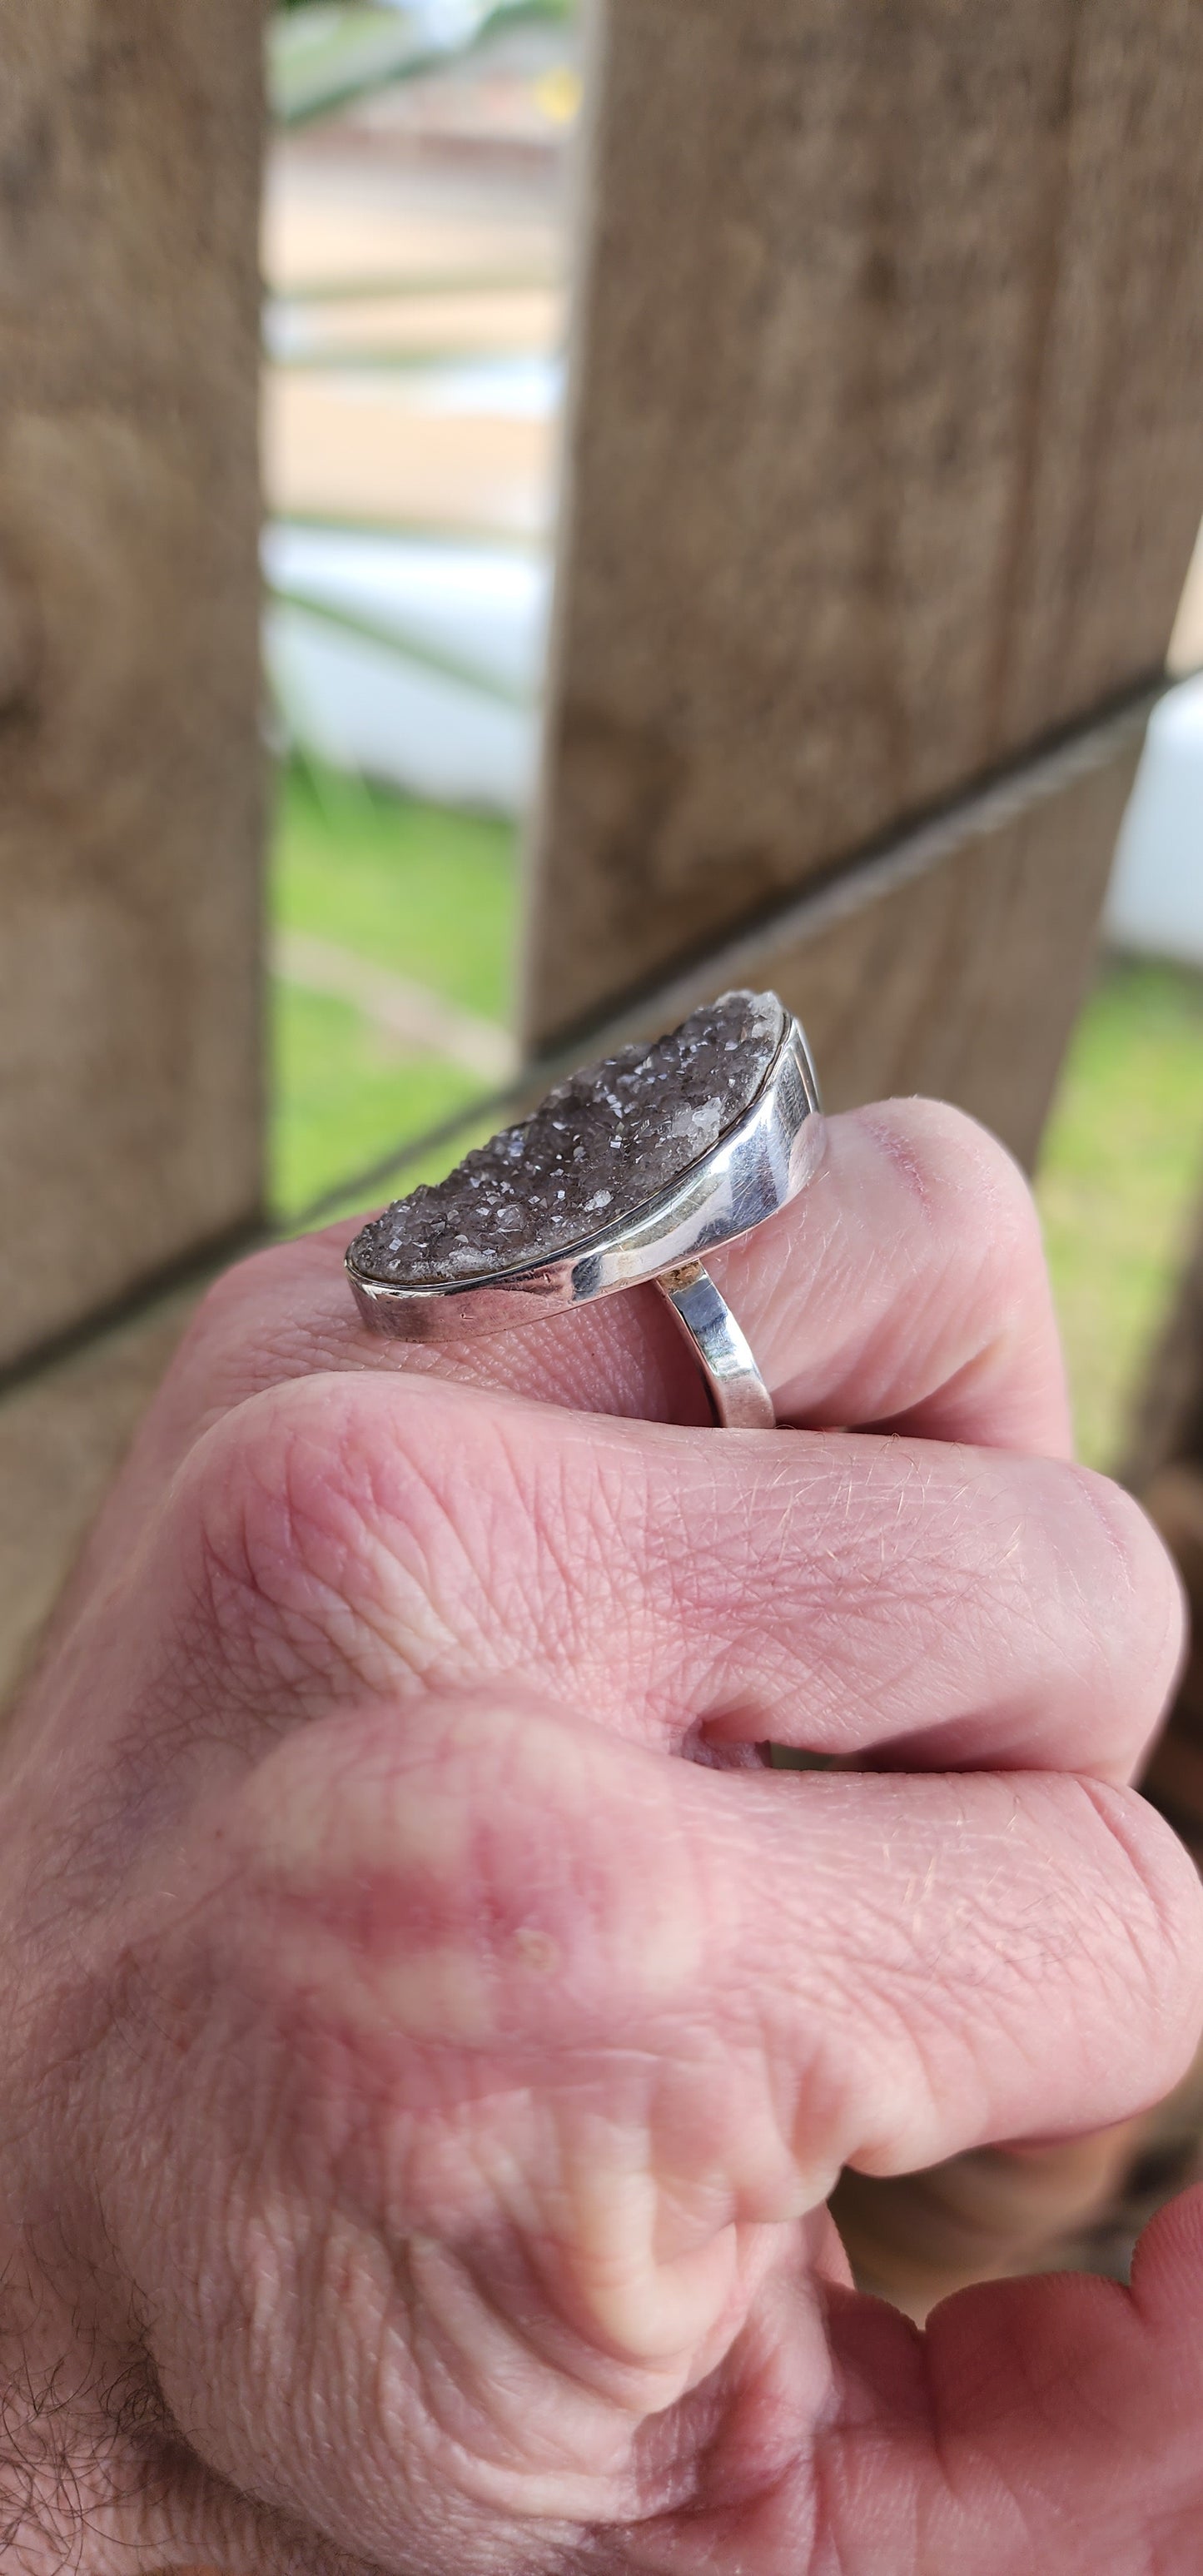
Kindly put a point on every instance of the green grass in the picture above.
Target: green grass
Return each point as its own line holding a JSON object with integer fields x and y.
{"x": 414, "y": 887}
{"x": 427, "y": 893}
{"x": 1119, "y": 1179}
{"x": 344, "y": 1101}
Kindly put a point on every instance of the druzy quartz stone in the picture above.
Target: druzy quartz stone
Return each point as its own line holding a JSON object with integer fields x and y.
{"x": 596, "y": 1150}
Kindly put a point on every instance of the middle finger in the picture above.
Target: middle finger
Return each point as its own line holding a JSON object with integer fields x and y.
{"x": 845, "y": 1594}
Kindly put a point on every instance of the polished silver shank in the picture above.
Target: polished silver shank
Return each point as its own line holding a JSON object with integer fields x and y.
{"x": 738, "y": 1393}
{"x": 764, "y": 1161}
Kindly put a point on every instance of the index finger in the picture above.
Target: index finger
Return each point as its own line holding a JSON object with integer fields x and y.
{"x": 904, "y": 1288}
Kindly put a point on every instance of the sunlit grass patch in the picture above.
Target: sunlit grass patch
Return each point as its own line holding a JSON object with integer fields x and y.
{"x": 343, "y": 1100}
{"x": 1119, "y": 1178}
{"x": 415, "y": 887}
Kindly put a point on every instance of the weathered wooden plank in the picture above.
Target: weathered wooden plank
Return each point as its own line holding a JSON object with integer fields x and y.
{"x": 1186, "y": 642}
{"x": 885, "y": 459}
{"x": 953, "y": 963}
{"x": 129, "y": 691}
{"x": 966, "y": 984}
{"x": 1169, "y": 1414}
{"x": 62, "y": 1435}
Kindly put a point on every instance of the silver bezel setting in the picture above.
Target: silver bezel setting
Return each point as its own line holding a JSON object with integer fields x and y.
{"x": 755, "y": 1169}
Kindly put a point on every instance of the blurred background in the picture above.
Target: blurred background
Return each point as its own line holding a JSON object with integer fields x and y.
{"x": 416, "y": 235}
{"x": 415, "y": 226}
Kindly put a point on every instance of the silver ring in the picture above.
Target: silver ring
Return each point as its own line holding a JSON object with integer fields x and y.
{"x": 737, "y": 1391}
{"x": 627, "y": 1173}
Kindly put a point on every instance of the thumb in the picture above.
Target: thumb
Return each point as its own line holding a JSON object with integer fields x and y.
{"x": 1037, "y": 2425}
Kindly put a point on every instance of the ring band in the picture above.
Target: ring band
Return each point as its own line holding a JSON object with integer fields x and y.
{"x": 737, "y": 1391}
{"x": 625, "y": 1175}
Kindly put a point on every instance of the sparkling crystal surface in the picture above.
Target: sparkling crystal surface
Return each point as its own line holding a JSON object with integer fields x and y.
{"x": 596, "y": 1150}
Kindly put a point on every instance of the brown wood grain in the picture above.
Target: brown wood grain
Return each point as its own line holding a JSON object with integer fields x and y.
{"x": 966, "y": 984}
{"x": 130, "y": 787}
{"x": 62, "y": 1436}
{"x": 953, "y": 964}
{"x": 885, "y": 460}
{"x": 1169, "y": 1415}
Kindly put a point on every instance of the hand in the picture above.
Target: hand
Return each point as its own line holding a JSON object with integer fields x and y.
{"x": 432, "y": 2035}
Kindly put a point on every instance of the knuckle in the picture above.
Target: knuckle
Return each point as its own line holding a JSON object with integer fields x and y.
{"x": 374, "y": 1527}
{"x": 223, "y": 1310}
{"x": 463, "y": 1870}
{"x": 245, "y": 1538}
{"x": 1135, "y": 1596}
{"x": 280, "y": 1497}
{"x": 271, "y": 1317}
{"x": 1156, "y": 1904}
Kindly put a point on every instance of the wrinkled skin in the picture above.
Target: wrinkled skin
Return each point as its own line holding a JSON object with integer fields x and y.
{"x": 431, "y": 2032}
